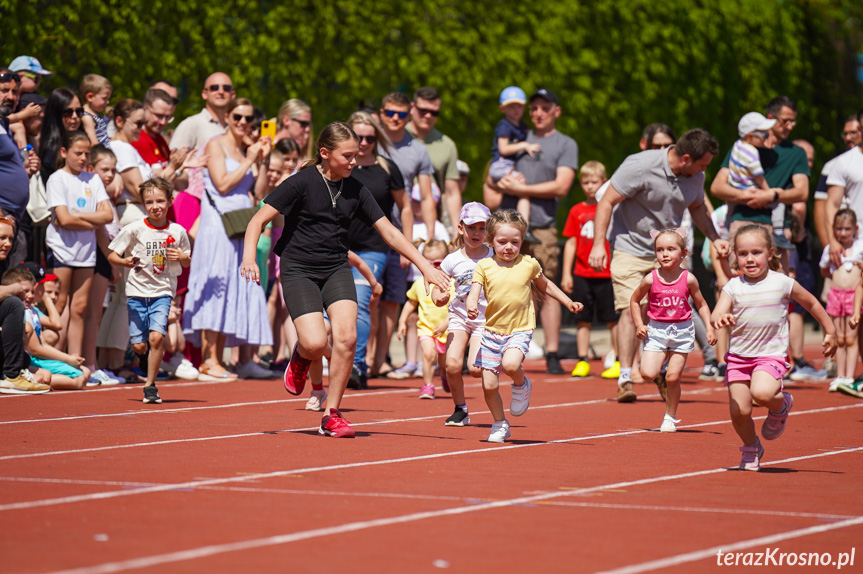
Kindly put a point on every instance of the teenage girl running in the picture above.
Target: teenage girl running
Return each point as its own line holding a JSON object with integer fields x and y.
{"x": 755, "y": 306}
{"x": 319, "y": 203}
{"x": 510, "y": 318}
{"x": 670, "y": 335}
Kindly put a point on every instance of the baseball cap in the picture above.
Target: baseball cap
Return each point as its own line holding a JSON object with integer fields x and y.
{"x": 462, "y": 167}
{"x": 512, "y": 94}
{"x": 546, "y": 95}
{"x": 31, "y": 98}
{"x": 38, "y": 271}
{"x": 28, "y": 64}
{"x": 753, "y": 122}
{"x": 473, "y": 212}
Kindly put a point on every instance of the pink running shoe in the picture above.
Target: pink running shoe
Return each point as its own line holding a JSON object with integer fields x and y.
{"x": 296, "y": 373}
{"x": 334, "y": 425}
{"x": 427, "y": 392}
{"x": 774, "y": 424}
{"x": 752, "y": 456}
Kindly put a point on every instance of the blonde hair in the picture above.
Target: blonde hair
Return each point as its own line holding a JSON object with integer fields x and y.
{"x": 681, "y": 240}
{"x": 384, "y": 142}
{"x": 505, "y": 217}
{"x": 291, "y": 109}
{"x": 332, "y": 136}
{"x": 773, "y": 263}
{"x": 436, "y": 244}
{"x": 593, "y": 168}
{"x": 93, "y": 84}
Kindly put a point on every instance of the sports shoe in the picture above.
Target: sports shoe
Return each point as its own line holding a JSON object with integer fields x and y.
{"x": 296, "y": 373}
{"x": 834, "y": 384}
{"x": 610, "y": 359}
{"x": 499, "y": 431}
{"x": 669, "y": 424}
{"x": 181, "y": 367}
{"x": 458, "y": 418}
{"x": 252, "y": 370}
{"x": 830, "y": 367}
{"x": 613, "y": 372}
{"x": 151, "y": 395}
{"x": 357, "y": 380}
{"x": 851, "y": 388}
{"x": 91, "y": 382}
{"x": 721, "y": 369}
{"x": 530, "y": 238}
{"x": 520, "y": 401}
{"x": 106, "y": 378}
{"x": 803, "y": 371}
{"x": 582, "y": 369}
{"x": 316, "y": 401}
{"x": 708, "y": 373}
{"x": 23, "y": 384}
{"x": 662, "y": 386}
{"x": 406, "y": 371}
{"x": 752, "y": 455}
{"x": 335, "y": 426}
{"x": 625, "y": 394}
{"x": 444, "y": 382}
{"x": 774, "y": 424}
{"x": 552, "y": 363}
{"x": 427, "y": 392}
{"x": 782, "y": 242}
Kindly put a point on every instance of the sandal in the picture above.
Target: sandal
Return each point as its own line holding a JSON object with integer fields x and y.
{"x": 383, "y": 373}
{"x": 211, "y": 373}
{"x": 406, "y": 371}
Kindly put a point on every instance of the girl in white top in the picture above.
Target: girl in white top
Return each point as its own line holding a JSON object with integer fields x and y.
{"x": 840, "y": 298}
{"x": 464, "y": 332}
{"x": 79, "y": 204}
{"x": 755, "y": 306}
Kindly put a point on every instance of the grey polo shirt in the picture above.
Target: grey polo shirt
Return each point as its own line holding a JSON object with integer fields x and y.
{"x": 195, "y": 131}
{"x": 655, "y": 198}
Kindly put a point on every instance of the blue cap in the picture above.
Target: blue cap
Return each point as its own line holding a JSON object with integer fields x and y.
{"x": 512, "y": 94}
{"x": 28, "y": 64}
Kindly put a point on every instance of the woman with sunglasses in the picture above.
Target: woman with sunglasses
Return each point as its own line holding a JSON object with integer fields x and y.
{"x": 220, "y": 308}
{"x": 63, "y": 113}
{"x": 295, "y": 121}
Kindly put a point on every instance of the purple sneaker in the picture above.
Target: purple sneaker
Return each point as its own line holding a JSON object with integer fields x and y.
{"x": 751, "y": 456}
{"x": 774, "y": 424}
{"x": 296, "y": 373}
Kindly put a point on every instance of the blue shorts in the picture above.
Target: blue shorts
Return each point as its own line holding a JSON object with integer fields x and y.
{"x": 493, "y": 346}
{"x": 395, "y": 279}
{"x": 147, "y": 314}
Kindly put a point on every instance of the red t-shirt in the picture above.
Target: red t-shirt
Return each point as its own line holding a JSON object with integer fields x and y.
{"x": 154, "y": 149}
{"x": 579, "y": 224}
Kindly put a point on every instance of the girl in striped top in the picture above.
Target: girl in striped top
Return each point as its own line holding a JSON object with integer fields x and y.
{"x": 755, "y": 306}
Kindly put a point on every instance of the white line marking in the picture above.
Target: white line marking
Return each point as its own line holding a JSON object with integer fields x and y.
{"x": 211, "y": 550}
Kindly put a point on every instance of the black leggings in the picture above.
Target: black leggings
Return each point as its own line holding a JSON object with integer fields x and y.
{"x": 12, "y": 355}
{"x": 309, "y": 292}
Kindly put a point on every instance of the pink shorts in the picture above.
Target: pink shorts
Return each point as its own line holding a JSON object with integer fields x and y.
{"x": 741, "y": 368}
{"x": 840, "y": 302}
{"x": 438, "y": 345}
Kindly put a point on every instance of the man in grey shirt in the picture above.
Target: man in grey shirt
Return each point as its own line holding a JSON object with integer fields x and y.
{"x": 650, "y": 190}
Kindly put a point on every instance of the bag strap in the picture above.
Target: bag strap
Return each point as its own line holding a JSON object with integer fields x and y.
{"x": 210, "y": 199}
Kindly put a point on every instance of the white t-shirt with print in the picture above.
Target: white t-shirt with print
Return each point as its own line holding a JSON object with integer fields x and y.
{"x": 78, "y": 194}
{"x": 156, "y": 276}
{"x": 460, "y": 267}
{"x": 127, "y": 158}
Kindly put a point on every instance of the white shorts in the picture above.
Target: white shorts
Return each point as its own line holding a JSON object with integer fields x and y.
{"x": 472, "y": 327}
{"x": 670, "y": 337}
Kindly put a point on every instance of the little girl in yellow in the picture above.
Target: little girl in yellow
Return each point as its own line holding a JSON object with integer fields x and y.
{"x": 510, "y": 317}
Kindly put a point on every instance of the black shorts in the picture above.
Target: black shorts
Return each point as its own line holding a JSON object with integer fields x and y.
{"x": 307, "y": 291}
{"x": 597, "y": 296}
{"x": 103, "y": 267}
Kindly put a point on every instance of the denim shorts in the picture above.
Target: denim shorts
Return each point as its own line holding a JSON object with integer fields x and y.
{"x": 493, "y": 346}
{"x": 147, "y": 314}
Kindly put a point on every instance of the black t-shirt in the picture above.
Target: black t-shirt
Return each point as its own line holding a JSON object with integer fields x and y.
{"x": 316, "y": 233}
{"x": 381, "y": 184}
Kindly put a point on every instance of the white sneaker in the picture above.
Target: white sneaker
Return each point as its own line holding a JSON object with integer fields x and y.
{"x": 499, "y": 431}
{"x": 316, "y": 401}
{"x": 669, "y": 424}
{"x": 534, "y": 351}
{"x": 610, "y": 359}
{"x": 102, "y": 377}
{"x": 520, "y": 398}
{"x": 184, "y": 369}
{"x": 252, "y": 370}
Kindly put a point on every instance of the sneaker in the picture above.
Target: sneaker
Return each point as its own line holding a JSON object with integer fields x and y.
{"x": 530, "y": 238}
{"x": 782, "y": 242}
{"x": 444, "y": 382}
{"x": 105, "y": 378}
{"x": 427, "y": 392}
{"x": 91, "y": 382}
{"x": 851, "y": 388}
{"x": 582, "y": 369}
{"x": 499, "y": 431}
{"x": 552, "y": 363}
{"x": 181, "y": 367}
{"x": 752, "y": 455}
{"x": 296, "y": 373}
{"x": 774, "y": 424}
{"x": 830, "y": 367}
{"x": 316, "y": 401}
{"x": 721, "y": 369}
{"x": 625, "y": 394}
{"x": 520, "y": 401}
{"x": 151, "y": 395}
{"x": 357, "y": 379}
{"x": 458, "y": 418}
{"x": 406, "y": 371}
{"x": 23, "y": 384}
{"x": 613, "y": 372}
{"x": 805, "y": 372}
{"x": 662, "y": 386}
{"x": 610, "y": 359}
{"x": 669, "y": 424}
{"x": 834, "y": 384}
{"x": 708, "y": 373}
{"x": 335, "y": 426}
{"x": 252, "y": 370}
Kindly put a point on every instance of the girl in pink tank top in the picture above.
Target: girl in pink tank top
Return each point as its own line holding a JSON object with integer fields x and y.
{"x": 670, "y": 334}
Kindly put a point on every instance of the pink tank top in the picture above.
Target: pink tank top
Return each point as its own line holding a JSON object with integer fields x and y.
{"x": 669, "y": 303}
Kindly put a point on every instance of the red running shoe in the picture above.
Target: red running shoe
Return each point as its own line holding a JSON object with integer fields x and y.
{"x": 296, "y": 373}
{"x": 336, "y": 426}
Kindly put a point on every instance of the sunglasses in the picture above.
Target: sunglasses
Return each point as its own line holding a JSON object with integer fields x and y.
{"x": 8, "y": 219}
{"x": 788, "y": 122}
{"x": 762, "y": 135}
{"x": 238, "y": 117}
{"x": 69, "y": 112}
{"x": 391, "y": 113}
{"x": 10, "y": 77}
{"x": 427, "y": 112}
{"x": 303, "y": 123}
{"x": 369, "y": 139}
{"x": 224, "y": 87}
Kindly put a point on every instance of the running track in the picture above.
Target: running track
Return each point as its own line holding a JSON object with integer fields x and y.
{"x": 233, "y": 477}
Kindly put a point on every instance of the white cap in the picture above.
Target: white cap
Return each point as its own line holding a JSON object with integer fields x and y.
{"x": 753, "y": 122}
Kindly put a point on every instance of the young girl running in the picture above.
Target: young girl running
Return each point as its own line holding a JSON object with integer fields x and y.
{"x": 507, "y": 280}
{"x": 319, "y": 203}
{"x": 755, "y": 306}
{"x": 464, "y": 333}
{"x": 840, "y": 299}
{"x": 670, "y": 335}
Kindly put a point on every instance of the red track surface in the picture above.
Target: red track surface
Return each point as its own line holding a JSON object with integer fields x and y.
{"x": 233, "y": 477}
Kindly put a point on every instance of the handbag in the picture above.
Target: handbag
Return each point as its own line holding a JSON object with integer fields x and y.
{"x": 236, "y": 221}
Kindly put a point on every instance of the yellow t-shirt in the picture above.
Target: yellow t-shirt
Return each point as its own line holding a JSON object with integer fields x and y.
{"x": 507, "y": 290}
{"x": 430, "y": 315}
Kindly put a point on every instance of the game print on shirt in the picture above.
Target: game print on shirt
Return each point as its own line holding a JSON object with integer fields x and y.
{"x": 156, "y": 276}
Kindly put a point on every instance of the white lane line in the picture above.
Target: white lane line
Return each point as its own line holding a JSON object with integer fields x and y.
{"x": 214, "y": 549}
{"x": 279, "y": 473}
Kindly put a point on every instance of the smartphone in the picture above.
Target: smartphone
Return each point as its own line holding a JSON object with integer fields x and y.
{"x": 268, "y": 128}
